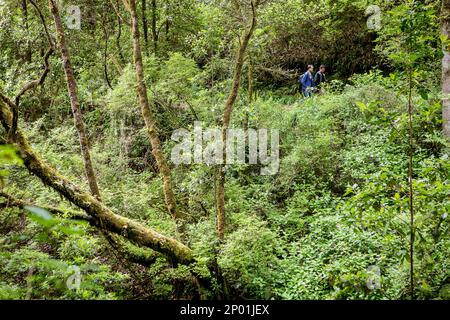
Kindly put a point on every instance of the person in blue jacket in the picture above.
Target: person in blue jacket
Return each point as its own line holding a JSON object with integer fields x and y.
{"x": 307, "y": 82}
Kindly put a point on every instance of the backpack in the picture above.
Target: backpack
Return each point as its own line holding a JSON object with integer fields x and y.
{"x": 306, "y": 74}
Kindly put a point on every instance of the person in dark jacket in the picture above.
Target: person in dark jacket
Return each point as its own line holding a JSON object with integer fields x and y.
{"x": 320, "y": 78}
{"x": 307, "y": 82}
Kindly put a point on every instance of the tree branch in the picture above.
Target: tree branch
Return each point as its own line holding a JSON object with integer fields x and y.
{"x": 15, "y": 202}
{"x": 34, "y": 83}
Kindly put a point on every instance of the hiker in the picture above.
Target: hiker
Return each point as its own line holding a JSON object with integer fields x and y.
{"x": 306, "y": 82}
{"x": 319, "y": 79}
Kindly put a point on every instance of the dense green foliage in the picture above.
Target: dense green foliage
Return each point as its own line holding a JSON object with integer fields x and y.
{"x": 338, "y": 207}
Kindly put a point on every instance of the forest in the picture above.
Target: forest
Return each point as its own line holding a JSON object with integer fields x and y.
{"x": 175, "y": 150}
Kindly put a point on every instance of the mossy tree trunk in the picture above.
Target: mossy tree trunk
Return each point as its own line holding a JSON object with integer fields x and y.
{"x": 445, "y": 30}
{"x": 250, "y": 92}
{"x": 220, "y": 190}
{"x": 148, "y": 116}
{"x": 145, "y": 24}
{"x": 74, "y": 102}
{"x": 154, "y": 29}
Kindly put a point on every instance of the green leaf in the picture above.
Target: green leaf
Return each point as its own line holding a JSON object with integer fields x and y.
{"x": 361, "y": 105}
{"x": 41, "y": 216}
{"x": 44, "y": 214}
{"x": 8, "y": 156}
{"x": 423, "y": 94}
{"x": 70, "y": 230}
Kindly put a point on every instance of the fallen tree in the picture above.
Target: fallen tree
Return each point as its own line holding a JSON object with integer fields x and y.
{"x": 102, "y": 216}
{"x": 142, "y": 256}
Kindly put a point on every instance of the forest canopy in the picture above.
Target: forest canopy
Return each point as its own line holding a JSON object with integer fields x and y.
{"x": 224, "y": 149}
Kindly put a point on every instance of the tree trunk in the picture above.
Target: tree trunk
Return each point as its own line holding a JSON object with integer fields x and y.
{"x": 250, "y": 81}
{"x": 445, "y": 30}
{"x": 105, "y": 57}
{"x": 144, "y": 24}
{"x": 74, "y": 102}
{"x": 220, "y": 191}
{"x": 250, "y": 93}
{"x": 167, "y": 22}
{"x": 119, "y": 30}
{"x": 27, "y": 28}
{"x": 154, "y": 30}
{"x": 149, "y": 118}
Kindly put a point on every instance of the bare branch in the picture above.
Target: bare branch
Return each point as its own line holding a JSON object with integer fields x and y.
{"x": 34, "y": 83}
{"x": 49, "y": 39}
{"x": 127, "y": 6}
